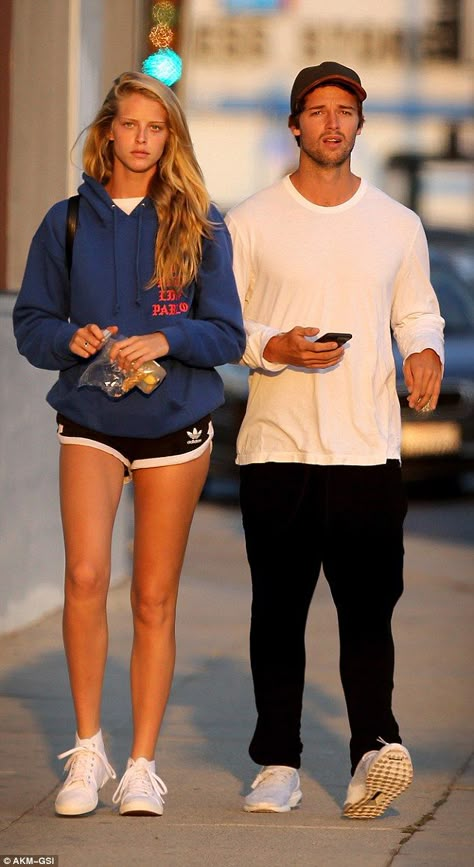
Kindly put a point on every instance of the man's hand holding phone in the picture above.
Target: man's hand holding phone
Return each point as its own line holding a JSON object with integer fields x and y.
{"x": 301, "y": 347}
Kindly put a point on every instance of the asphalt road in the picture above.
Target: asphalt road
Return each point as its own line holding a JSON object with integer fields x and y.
{"x": 434, "y": 512}
{"x": 438, "y": 515}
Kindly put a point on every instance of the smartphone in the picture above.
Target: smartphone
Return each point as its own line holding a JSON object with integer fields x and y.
{"x": 338, "y": 337}
{"x": 333, "y": 337}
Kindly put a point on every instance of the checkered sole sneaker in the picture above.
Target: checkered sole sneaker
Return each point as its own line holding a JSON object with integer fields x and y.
{"x": 388, "y": 773}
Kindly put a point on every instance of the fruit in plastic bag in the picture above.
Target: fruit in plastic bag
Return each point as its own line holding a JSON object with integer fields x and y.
{"x": 109, "y": 376}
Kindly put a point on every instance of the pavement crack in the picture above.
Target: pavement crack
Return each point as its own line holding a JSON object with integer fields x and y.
{"x": 29, "y": 810}
{"x": 412, "y": 829}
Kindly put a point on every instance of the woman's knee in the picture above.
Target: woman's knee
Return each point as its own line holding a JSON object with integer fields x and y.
{"x": 154, "y": 610}
{"x": 86, "y": 581}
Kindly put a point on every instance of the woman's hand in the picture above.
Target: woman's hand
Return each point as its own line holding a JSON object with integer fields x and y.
{"x": 87, "y": 340}
{"x": 132, "y": 352}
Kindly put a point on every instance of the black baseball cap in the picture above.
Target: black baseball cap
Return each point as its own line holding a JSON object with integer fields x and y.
{"x": 329, "y": 71}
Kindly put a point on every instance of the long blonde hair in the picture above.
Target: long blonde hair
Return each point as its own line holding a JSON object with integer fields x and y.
{"x": 177, "y": 188}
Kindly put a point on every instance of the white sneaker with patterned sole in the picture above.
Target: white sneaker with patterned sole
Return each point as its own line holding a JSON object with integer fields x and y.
{"x": 379, "y": 778}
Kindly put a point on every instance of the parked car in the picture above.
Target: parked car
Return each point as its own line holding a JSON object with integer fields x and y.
{"x": 457, "y": 245}
{"x": 435, "y": 446}
{"x": 440, "y": 445}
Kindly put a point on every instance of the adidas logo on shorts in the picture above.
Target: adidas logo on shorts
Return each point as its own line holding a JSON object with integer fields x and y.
{"x": 195, "y": 437}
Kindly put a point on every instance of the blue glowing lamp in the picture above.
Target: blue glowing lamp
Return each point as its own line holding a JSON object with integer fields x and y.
{"x": 165, "y": 65}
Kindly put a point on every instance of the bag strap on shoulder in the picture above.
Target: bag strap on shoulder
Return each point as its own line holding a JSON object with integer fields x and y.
{"x": 71, "y": 226}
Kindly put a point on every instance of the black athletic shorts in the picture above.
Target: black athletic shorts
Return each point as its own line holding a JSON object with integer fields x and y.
{"x": 138, "y": 453}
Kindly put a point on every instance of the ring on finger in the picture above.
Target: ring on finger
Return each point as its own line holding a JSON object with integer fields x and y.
{"x": 86, "y": 344}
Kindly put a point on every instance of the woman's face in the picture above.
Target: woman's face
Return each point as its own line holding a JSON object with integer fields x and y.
{"x": 139, "y": 133}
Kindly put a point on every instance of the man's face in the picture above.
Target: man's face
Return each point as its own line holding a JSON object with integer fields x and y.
{"x": 328, "y": 126}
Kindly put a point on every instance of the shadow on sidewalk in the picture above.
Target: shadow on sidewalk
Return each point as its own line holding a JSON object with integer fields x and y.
{"x": 218, "y": 703}
{"x": 210, "y": 716}
{"x": 37, "y": 710}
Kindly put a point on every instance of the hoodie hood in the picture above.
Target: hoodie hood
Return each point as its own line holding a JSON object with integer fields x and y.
{"x": 124, "y": 230}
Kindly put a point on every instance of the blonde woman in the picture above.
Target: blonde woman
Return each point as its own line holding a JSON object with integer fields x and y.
{"x": 151, "y": 260}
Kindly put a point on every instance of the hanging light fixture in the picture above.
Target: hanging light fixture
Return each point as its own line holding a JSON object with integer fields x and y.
{"x": 164, "y": 64}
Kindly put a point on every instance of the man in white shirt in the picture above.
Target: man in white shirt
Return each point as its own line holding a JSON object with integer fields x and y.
{"x": 319, "y": 447}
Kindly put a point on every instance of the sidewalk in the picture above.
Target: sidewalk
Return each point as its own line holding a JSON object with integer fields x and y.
{"x": 202, "y": 754}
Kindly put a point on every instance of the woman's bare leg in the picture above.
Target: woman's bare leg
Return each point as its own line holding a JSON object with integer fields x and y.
{"x": 90, "y": 487}
{"x": 165, "y": 500}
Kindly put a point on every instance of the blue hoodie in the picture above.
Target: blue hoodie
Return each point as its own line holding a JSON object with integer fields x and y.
{"x": 113, "y": 259}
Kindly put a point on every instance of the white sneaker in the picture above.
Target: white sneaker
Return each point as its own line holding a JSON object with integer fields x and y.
{"x": 89, "y": 770}
{"x": 380, "y": 776}
{"x": 276, "y": 789}
{"x": 140, "y": 791}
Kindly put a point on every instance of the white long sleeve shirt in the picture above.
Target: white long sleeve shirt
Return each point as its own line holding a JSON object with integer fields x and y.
{"x": 360, "y": 267}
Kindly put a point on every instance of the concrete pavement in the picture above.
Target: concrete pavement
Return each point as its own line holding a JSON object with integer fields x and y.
{"x": 202, "y": 754}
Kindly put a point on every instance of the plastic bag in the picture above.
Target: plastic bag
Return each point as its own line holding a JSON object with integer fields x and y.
{"x": 107, "y": 375}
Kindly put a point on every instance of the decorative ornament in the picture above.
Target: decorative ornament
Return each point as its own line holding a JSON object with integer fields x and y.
{"x": 165, "y": 65}
{"x": 164, "y": 13}
{"x": 161, "y": 36}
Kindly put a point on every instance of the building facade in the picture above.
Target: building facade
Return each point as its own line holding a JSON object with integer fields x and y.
{"x": 414, "y": 58}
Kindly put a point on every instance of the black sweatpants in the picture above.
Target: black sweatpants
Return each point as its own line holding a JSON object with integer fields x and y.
{"x": 349, "y": 520}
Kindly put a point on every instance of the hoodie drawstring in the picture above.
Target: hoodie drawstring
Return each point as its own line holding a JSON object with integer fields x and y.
{"x": 137, "y": 255}
{"x": 117, "y": 301}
